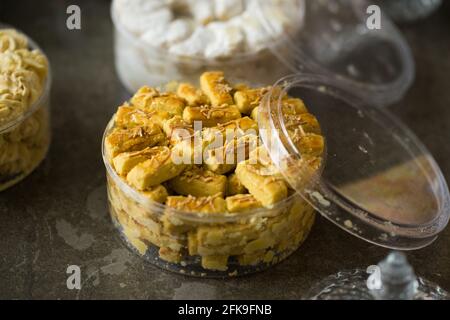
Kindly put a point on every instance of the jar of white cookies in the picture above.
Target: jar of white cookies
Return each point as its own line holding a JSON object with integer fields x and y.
{"x": 261, "y": 41}
{"x": 25, "y": 82}
{"x": 160, "y": 41}
{"x": 224, "y": 179}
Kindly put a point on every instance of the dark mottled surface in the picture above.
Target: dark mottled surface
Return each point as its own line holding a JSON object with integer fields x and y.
{"x": 58, "y": 216}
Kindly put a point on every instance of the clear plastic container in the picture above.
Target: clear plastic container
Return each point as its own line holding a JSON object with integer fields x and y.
{"x": 376, "y": 181}
{"x": 24, "y": 141}
{"x": 331, "y": 37}
{"x": 138, "y": 63}
{"x": 196, "y": 245}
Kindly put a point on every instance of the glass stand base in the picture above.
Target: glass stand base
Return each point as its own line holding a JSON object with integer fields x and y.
{"x": 352, "y": 285}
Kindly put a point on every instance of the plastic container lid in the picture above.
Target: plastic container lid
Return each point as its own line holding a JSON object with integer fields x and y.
{"x": 377, "y": 181}
{"x": 335, "y": 40}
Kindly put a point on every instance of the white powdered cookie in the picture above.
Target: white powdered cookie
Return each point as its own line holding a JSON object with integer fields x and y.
{"x": 228, "y": 39}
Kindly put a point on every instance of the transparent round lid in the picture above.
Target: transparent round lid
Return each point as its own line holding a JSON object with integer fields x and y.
{"x": 351, "y": 41}
{"x": 373, "y": 178}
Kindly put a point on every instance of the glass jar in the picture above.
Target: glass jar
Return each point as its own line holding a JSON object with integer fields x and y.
{"x": 25, "y": 140}
{"x": 139, "y": 63}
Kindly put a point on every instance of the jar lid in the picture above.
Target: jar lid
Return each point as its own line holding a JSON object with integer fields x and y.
{"x": 376, "y": 179}
{"x": 340, "y": 39}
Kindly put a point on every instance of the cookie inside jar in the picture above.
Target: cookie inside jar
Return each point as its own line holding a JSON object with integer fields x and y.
{"x": 191, "y": 187}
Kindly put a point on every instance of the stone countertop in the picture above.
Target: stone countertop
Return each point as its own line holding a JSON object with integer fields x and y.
{"x": 58, "y": 216}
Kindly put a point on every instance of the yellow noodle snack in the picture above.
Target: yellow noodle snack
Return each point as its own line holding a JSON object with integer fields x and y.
{"x": 24, "y": 121}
